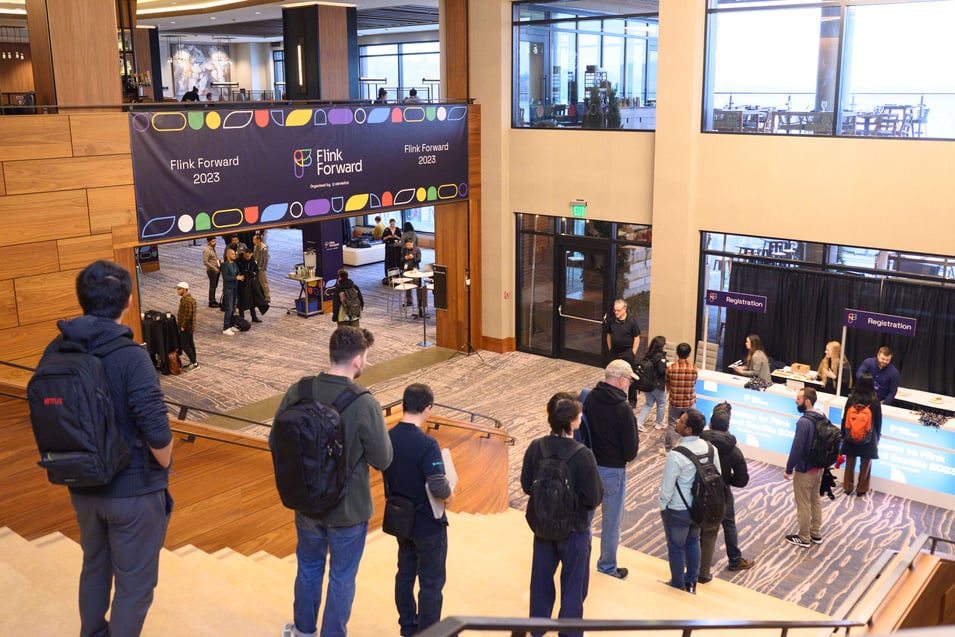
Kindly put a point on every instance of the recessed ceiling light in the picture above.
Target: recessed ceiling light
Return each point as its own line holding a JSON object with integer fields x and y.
{"x": 212, "y": 18}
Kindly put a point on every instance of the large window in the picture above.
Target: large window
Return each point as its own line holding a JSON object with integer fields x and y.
{"x": 400, "y": 67}
{"x": 584, "y": 65}
{"x": 866, "y": 68}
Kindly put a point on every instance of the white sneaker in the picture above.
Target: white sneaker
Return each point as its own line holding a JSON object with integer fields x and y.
{"x": 290, "y": 631}
{"x": 659, "y": 427}
{"x": 642, "y": 429}
{"x": 228, "y": 332}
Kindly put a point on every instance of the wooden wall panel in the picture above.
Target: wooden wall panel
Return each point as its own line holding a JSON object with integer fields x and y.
{"x": 100, "y": 134}
{"x": 126, "y": 257}
{"x": 451, "y": 250}
{"x": 40, "y": 51}
{"x": 111, "y": 207}
{"x": 8, "y": 306}
{"x": 26, "y": 341}
{"x": 34, "y": 137}
{"x": 47, "y": 297}
{"x": 84, "y": 46}
{"x": 44, "y": 175}
{"x": 455, "y": 48}
{"x": 28, "y": 258}
{"x": 43, "y": 216}
{"x": 3, "y": 184}
{"x": 80, "y": 252}
{"x": 333, "y": 52}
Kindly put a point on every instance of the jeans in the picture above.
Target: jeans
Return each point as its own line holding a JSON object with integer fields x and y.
{"x": 573, "y": 554}
{"x": 423, "y": 558}
{"x": 808, "y": 505}
{"x": 658, "y": 396}
{"x": 730, "y": 537}
{"x": 228, "y": 306}
{"x": 121, "y": 539}
{"x": 343, "y": 546}
{"x": 683, "y": 547}
{"x": 213, "y": 284}
{"x": 611, "y": 509}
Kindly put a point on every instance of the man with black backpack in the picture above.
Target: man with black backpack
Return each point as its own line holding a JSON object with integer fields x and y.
{"x": 335, "y": 534}
{"x": 805, "y": 471}
{"x": 120, "y": 415}
{"x": 347, "y": 300}
{"x": 679, "y": 495}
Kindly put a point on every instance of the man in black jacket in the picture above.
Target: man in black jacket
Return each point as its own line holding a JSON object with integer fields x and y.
{"x": 735, "y": 474}
{"x": 613, "y": 437}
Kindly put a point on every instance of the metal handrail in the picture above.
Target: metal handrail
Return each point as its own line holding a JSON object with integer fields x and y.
{"x": 519, "y": 627}
{"x": 472, "y": 414}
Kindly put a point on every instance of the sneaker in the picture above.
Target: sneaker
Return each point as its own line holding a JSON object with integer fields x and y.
{"x": 798, "y": 541}
{"x": 642, "y": 429}
{"x": 228, "y": 332}
{"x": 621, "y": 573}
{"x": 690, "y": 587}
{"x": 742, "y": 565}
{"x": 659, "y": 427}
{"x": 815, "y": 540}
{"x": 289, "y": 630}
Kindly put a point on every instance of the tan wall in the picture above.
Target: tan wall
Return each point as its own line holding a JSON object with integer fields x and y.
{"x": 894, "y": 194}
{"x": 66, "y": 199}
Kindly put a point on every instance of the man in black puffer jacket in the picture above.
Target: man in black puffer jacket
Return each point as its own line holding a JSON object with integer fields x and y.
{"x": 735, "y": 474}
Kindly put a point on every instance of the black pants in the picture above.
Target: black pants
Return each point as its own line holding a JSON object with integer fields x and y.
{"x": 188, "y": 345}
{"x": 213, "y": 284}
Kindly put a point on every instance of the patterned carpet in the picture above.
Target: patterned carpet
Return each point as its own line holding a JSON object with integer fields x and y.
{"x": 514, "y": 388}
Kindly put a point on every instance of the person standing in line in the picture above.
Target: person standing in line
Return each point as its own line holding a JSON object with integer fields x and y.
{"x": 623, "y": 340}
{"x": 735, "y": 474}
{"x": 230, "y": 281}
{"x": 186, "y": 318}
{"x": 829, "y": 369}
{"x": 884, "y": 374}
{"x": 417, "y": 463}
{"x": 337, "y": 536}
{"x": 679, "y": 472}
{"x": 681, "y": 388}
{"x": 862, "y": 395}
{"x": 613, "y": 438}
{"x": 260, "y": 252}
{"x": 212, "y": 263}
{"x": 573, "y": 552}
{"x": 122, "y": 524}
{"x": 805, "y": 477}
{"x": 378, "y": 230}
{"x": 757, "y": 362}
{"x": 657, "y": 357}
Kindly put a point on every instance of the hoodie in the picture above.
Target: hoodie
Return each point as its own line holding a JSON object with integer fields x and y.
{"x": 612, "y": 426}
{"x": 137, "y": 403}
{"x": 732, "y": 461}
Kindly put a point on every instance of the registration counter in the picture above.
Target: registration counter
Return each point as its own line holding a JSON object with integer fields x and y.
{"x": 915, "y": 461}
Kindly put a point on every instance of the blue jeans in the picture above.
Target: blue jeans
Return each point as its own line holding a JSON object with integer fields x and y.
{"x": 611, "y": 509}
{"x": 730, "y": 537}
{"x": 657, "y": 396}
{"x": 345, "y": 546}
{"x": 423, "y": 558}
{"x": 121, "y": 539}
{"x": 228, "y": 306}
{"x": 683, "y": 547}
{"x": 573, "y": 554}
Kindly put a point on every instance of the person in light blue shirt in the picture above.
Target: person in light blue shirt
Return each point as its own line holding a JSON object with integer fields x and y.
{"x": 683, "y": 537}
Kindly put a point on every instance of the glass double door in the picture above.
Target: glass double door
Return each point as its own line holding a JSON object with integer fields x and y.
{"x": 584, "y": 296}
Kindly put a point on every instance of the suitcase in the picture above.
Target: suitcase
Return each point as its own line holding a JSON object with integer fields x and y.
{"x": 241, "y": 324}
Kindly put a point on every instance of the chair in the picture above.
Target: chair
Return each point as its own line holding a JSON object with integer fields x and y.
{"x": 887, "y": 124}
{"x": 920, "y": 120}
{"x": 819, "y": 123}
{"x": 399, "y": 285}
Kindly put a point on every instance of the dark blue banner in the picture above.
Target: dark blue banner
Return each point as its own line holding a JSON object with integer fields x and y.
{"x": 202, "y": 171}
{"x": 879, "y": 322}
{"x": 737, "y": 301}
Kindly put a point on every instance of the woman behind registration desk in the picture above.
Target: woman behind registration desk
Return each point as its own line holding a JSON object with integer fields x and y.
{"x": 757, "y": 362}
{"x": 829, "y": 370}
{"x": 862, "y": 394}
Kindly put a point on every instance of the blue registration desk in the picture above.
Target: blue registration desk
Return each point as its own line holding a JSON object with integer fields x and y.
{"x": 915, "y": 461}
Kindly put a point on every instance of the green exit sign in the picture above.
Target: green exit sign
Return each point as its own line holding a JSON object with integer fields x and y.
{"x": 578, "y": 208}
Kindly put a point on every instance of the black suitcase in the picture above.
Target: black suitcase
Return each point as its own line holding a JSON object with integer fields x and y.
{"x": 241, "y": 324}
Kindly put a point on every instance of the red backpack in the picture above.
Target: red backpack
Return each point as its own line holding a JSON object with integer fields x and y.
{"x": 859, "y": 424}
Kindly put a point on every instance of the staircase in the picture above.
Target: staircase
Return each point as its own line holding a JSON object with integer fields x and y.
{"x": 226, "y": 593}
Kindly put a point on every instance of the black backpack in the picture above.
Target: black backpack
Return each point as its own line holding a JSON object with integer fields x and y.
{"x": 71, "y": 411}
{"x": 647, "y": 372}
{"x": 351, "y": 302}
{"x": 308, "y": 444}
{"x": 552, "y": 507}
{"x": 708, "y": 490}
{"x": 826, "y": 441}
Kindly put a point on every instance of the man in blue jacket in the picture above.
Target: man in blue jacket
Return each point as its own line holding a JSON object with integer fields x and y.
{"x": 805, "y": 477}
{"x": 122, "y": 524}
{"x": 884, "y": 374}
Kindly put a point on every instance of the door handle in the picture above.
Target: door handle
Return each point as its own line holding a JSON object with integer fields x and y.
{"x": 560, "y": 312}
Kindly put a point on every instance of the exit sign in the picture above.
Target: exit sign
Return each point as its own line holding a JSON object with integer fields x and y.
{"x": 578, "y": 208}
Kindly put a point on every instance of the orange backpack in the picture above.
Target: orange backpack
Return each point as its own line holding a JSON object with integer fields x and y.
{"x": 859, "y": 424}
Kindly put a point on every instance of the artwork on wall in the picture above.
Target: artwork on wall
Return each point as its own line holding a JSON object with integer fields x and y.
{"x": 200, "y": 65}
